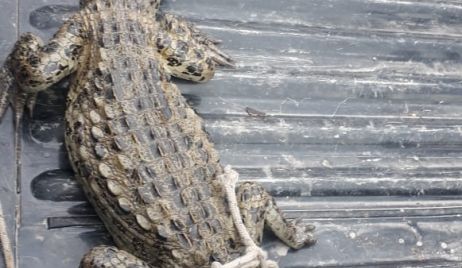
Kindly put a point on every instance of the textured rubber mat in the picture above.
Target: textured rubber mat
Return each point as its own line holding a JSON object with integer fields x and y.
{"x": 348, "y": 112}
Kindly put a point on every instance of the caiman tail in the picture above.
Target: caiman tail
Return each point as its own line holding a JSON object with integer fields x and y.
{"x": 6, "y": 88}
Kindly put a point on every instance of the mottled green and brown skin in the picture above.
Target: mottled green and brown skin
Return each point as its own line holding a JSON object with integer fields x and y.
{"x": 140, "y": 152}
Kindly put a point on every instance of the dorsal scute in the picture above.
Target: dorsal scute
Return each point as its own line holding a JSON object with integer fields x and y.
{"x": 143, "y": 5}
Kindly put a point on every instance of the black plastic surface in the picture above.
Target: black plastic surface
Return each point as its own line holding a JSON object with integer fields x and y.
{"x": 349, "y": 112}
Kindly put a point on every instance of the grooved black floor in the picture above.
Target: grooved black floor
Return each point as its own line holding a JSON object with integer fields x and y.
{"x": 348, "y": 112}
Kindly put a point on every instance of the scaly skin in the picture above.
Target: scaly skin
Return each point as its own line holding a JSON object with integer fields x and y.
{"x": 140, "y": 152}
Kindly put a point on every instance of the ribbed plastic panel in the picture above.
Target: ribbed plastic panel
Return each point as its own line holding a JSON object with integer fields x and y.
{"x": 348, "y": 112}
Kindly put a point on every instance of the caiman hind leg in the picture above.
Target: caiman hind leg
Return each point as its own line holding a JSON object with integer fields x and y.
{"x": 254, "y": 256}
{"x": 189, "y": 54}
{"x": 111, "y": 257}
{"x": 259, "y": 209}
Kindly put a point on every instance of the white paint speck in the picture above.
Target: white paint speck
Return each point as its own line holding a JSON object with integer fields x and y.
{"x": 444, "y": 245}
{"x": 352, "y": 235}
{"x": 326, "y": 163}
{"x": 401, "y": 241}
{"x": 281, "y": 250}
{"x": 419, "y": 243}
{"x": 40, "y": 238}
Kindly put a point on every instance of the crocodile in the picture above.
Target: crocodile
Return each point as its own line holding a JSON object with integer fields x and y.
{"x": 140, "y": 152}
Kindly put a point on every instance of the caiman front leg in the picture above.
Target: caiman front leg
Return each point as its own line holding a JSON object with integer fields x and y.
{"x": 189, "y": 54}
{"x": 35, "y": 66}
{"x": 32, "y": 67}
